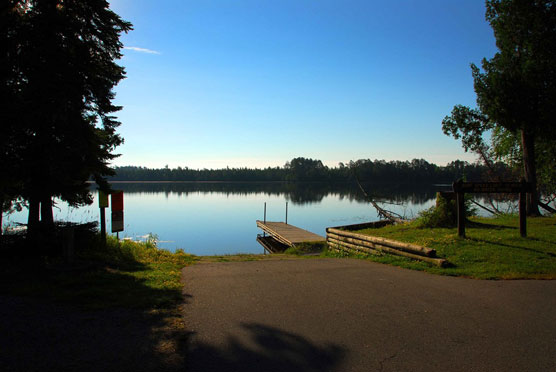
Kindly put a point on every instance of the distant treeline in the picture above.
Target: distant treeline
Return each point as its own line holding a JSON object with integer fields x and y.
{"x": 309, "y": 170}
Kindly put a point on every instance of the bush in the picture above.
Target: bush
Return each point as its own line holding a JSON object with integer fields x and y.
{"x": 444, "y": 213}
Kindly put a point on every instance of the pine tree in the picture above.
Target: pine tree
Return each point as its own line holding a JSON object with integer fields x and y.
{"x": 68, "y": 51}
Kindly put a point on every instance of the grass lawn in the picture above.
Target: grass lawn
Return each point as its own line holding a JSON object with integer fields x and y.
{"x": 492, "y": 249}
{"x": 139, "y": 275}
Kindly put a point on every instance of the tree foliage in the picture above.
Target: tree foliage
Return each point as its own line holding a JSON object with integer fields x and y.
{"x": 516, "y": 89}
{"x": 60, "y": 68}
{"x": 416, "y": 171}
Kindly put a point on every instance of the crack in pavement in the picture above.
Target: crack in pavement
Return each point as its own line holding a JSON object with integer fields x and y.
{"x": 385, "y": 360}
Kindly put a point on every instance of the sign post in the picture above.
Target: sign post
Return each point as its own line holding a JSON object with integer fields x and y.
{"x": 102, "y": 204}
{"x": 460, "y": 200}
{"x": 117, "y": 211}
{"x": 460, "y": 188}
{"x": 522, "y": 209}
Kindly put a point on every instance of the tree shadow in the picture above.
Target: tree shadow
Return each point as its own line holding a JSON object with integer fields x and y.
{"x": 267, "y": 349}
{"x": 87, "y": 316}
{"x": 46, "y": 336}
{"x": 513, "y": 246}
{"x": 483, "y": 225}
{"x": 542, "y": 240}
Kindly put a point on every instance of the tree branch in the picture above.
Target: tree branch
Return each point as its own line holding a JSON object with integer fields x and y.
{"x": 382, "y": 213}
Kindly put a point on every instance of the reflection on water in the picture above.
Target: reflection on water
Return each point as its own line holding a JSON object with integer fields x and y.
{"x": 219, "y": 218}
{"x": 297, "y": 193}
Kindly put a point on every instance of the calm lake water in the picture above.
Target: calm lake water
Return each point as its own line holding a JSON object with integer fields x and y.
{"x": 219, "y": 218}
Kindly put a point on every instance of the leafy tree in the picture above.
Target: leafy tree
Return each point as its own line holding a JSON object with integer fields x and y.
{"x": 66, "y": 72}
{"x": 303, "y": 169}
{"x": 516, "y": 89}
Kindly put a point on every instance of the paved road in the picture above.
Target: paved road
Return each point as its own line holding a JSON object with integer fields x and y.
{"x": 352, "y": 315}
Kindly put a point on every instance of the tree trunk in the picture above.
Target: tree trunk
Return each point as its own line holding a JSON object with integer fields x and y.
{"x": 33, "y": 219}
{"x": 47, "y": 217}
{"x": 1, "y": 215}
{"x": 530, "y": 172}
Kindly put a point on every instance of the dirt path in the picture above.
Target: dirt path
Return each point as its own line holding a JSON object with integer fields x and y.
{"x": 351, "y": 315}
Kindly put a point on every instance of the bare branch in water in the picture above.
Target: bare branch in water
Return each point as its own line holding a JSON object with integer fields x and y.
{"x": 495, "y": 212}
{"x": 382, "y": 213}
{"x": 547, "y": 207}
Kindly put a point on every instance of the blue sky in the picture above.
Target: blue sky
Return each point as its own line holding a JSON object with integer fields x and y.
{"x": 255, "y": 83}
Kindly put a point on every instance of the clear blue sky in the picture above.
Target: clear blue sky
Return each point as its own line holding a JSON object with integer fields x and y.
{"x": 255, "y": 83}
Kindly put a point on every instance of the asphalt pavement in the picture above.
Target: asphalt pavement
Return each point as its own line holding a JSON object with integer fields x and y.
{"x": 354, "y": 315}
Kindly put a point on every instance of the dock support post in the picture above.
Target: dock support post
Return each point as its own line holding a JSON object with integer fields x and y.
{"x": 264, "y": 233}
{"x": 286, "y": 213}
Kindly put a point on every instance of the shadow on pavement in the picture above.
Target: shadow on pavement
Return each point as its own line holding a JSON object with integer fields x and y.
{"x": 42, "y": 336}
{"x": 267, "y": 349}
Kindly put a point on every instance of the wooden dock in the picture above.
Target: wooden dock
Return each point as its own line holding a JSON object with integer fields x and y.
{"x": 270, "y": 244}
{"x": 288, "y": 234}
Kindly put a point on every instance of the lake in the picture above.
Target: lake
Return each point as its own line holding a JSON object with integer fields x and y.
{"x": 219, "y": 218}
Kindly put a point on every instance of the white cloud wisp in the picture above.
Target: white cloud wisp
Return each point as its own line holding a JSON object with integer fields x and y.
{"x": 142, "y": 50}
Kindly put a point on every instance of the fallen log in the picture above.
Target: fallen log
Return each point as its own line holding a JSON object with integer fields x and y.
{"x": 353, "y": 246}
{"x": 353, "y": 241}
{"x": 440, "y": 262}
{"x": 407, "y": 247}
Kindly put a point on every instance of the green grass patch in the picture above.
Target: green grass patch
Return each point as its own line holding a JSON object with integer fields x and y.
{"x": 492, "y": 249}
{"x": 121, "y": 274}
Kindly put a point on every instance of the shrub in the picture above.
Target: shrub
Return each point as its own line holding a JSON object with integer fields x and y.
{"x": 444, "y": 213}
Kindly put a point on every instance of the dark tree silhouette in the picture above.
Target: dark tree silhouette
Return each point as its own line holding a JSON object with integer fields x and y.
{"x": 64, "y": 70}
{"x": 10, "y": 138}
{"x": 516, "y": 89}
{"x": 299, "y": 170}
{"x": 303, "y": 169}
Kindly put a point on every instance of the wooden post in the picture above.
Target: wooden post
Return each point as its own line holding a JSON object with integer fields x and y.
{"x": 460, "y": 206}
{"x": 461, "y": 214}
{"x": 286, "y": 213}
{"x": 68, "y": 237}
{"x": 523, "y": 209}
{"x": 102, "y": 204}
{"x": 264, "y": 232}
{"x": 103, "y": 226}
{"x": 522, "y": 214}
{"x": 523, "y": 187}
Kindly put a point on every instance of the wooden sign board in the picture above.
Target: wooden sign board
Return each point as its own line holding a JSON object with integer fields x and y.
{"x": 117, "y": 198}
{"x": 102, "y": 199}
{"x": 521, "y": 188}
{"x": 117, "y": 221}
{"x": 491, "y": 187}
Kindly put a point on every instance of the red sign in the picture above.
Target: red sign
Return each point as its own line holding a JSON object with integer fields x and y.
{"x": 117, "y": 221}
{"x": 117, "y": 198}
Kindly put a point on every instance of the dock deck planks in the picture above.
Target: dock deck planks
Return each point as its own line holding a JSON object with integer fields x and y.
{"x": 288, "y": 234}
